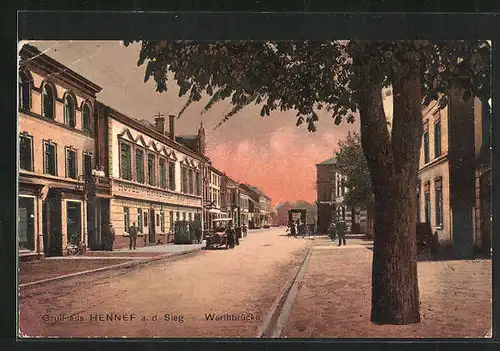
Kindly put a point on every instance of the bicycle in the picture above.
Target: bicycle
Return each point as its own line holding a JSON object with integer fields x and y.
{"x": 76, "y": 249}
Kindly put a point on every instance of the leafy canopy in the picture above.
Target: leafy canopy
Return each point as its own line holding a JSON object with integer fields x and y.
{"x": 352, "y": 163}
{"x": 308, "y": 76}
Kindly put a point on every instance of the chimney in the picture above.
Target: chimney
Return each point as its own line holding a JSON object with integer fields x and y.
{"x": 160, "y": 124}
{"x": 172, "y": 126}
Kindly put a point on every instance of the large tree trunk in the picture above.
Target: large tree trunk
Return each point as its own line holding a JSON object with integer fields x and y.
{"x": 393, "y": 164}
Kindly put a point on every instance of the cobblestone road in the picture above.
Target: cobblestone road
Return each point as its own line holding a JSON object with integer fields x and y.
{"x": 172, "y": 298}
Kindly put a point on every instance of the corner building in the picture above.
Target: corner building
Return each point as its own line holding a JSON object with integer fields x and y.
{"x": 56, "y": 152}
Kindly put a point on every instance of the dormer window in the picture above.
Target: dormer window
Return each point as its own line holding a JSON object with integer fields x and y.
{"x": 69, "y": 111}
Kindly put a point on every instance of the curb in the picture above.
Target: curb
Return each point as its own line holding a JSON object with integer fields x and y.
{"x": 282, "y": 298}
{"x": 121, "y": 265}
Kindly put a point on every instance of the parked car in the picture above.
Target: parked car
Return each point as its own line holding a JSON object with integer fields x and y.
{"x": 217, "y": 237}
{"x": 266, "y": 226}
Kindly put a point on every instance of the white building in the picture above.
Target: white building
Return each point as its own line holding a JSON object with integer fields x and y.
{"x": 155, "y": 180}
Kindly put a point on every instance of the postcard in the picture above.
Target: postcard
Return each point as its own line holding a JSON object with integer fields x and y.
{"x": 254, "y": 189}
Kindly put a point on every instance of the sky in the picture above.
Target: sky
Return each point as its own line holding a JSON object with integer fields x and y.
{"x": 269, "y": 152}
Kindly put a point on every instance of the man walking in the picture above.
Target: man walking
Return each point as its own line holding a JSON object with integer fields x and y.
{"x": 332, "y": 231}
{"x": 110, "y": 236}
{"x": 132, "y": 232}
{"x": 341, "y": 231}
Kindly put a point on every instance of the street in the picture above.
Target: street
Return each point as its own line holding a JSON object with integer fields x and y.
{"x": 181, "y": 293}
{"x": 254, "y": 290}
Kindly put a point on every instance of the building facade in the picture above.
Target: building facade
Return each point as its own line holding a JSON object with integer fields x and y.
{"x": 331, "y": 189}
{"x": 482, "y": 212}
{"x": 155, "y": 180}
{"x": 244, "y": 205}
{"x": 325, "y": 189}
{"x": 452, "y": 180}
{"x": 56, "y": 152}
{"x": 213, "y": 196}
{"x": 230, "y": 198}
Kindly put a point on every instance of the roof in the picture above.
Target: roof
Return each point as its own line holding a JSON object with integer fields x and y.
{"x": 191, "y": 143}
{"x": 30, "y": 53}
{"x": 150, "y": 131}
{"x": 190, "y": 136}
{"x": 330, "y": 161}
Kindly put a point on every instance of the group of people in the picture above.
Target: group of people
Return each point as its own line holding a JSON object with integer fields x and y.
{"x": 297, "y": 227}
{"x": 338, "y": 230}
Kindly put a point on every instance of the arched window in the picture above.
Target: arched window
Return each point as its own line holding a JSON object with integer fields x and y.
{"x": 69, "y": 111}
{"x": 48, "y": 101}
{"x": 86, "y": 119}
{"x": 24, "y": 90}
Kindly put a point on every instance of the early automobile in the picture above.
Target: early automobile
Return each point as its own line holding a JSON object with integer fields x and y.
{"x": 217, "y": 237}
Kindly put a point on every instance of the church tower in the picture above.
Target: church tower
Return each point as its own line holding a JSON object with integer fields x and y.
{"x": 201, "y": 139}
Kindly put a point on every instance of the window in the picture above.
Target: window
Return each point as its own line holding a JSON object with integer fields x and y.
{"x": 162, "y": 222}
{"x": 125, "y": 162}
{"x": 87, "y": 164}
{"x": 162, "y": 173}
{"x": 86, "y": 119}
{"x": 69, "y": 111}
{"x": 184, "y": 179}
{"x": 198, "y": 183}
{"x": 70, "y": 163}
{"x": 439, "y": 202}
{"x": 183, "y": 216}
{"x": 427, "y": 207}
{"x": 126, "y": 219}
{"x": 151, "y": 169}
{"x": 171, "y": 175}
{"x": 139, "y": 165}
{"x": 190, "y": 217}
{"x": 426, "y": 147}
{"x": 139, "y": 220}
{"x": 50, "y": 158}
{"x": 26, "y": 152}
{"x": 437, "y": 139}
{"x": 24, "y": 91}
{"x": 48, "y": 101}
{"x": 191, "y": 181}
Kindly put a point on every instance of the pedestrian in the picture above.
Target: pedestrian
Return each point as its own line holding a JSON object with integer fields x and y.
{"x": 230, "y": 236}
{"x": 292, "y": 228}
{"x": 341, "y": 231}
{"x": 110, "y": 236}
{"x": 132, "y": 232}
{"x": 237, "y": 234}
{"x": 332, "y": 231}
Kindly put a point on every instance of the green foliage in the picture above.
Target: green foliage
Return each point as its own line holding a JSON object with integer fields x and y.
{"x": 182, "y": 233}
{"x": 309, "y": 76}
{"x": 352, "y": 163}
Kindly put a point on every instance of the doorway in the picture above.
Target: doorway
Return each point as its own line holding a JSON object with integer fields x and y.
{"x": 152, "y": 226}
{"x": 26, "y": 220}
{"x": 74, "y": 222}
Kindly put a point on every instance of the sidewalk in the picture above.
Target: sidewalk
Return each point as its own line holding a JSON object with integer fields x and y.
{"x": 335, "y": 298}
{"x": 54, "y": 267}
{"x": 168, "y": 248}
